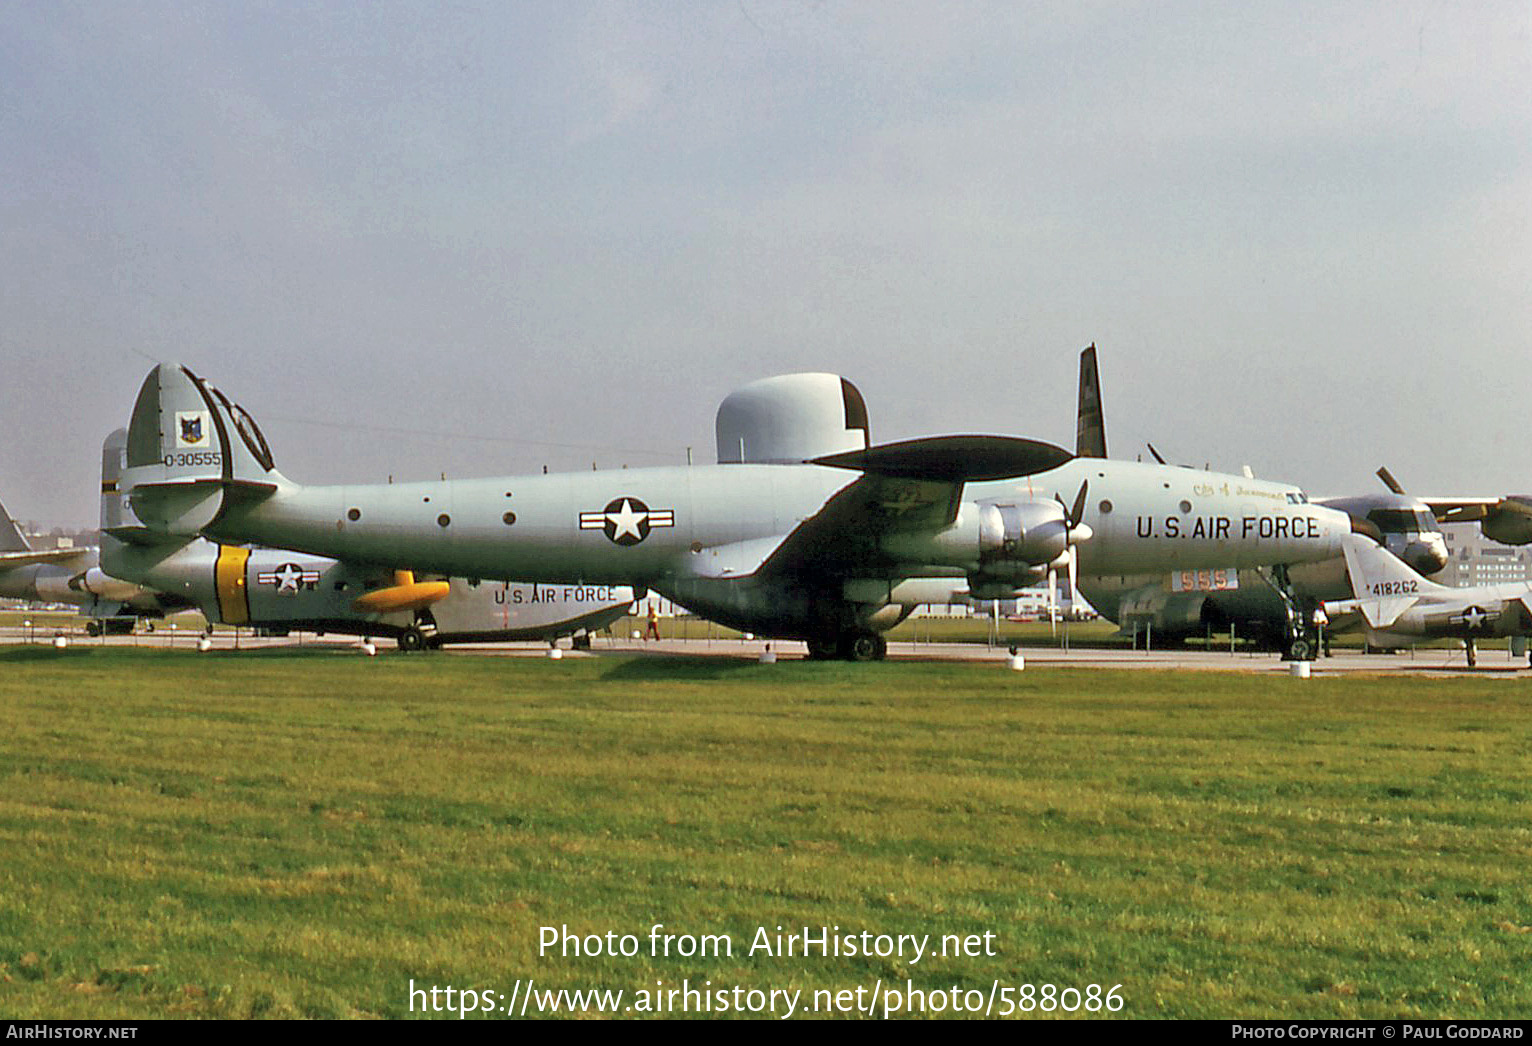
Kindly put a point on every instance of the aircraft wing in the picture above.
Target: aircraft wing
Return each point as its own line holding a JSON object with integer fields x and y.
{"x": 1460, "y": 510}
{"x": 914, "y": 487}
{"x": 50, "y": 555}
{"x": 1507, "y": 519}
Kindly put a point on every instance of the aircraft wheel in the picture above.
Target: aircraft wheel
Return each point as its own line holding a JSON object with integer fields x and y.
{"x": 1300, "y": 650}
{"x": 861, "y": 646}
{"x": 93, "y": 627}
{"x": 411, "y": 640}
{"x": 580, "y": 642}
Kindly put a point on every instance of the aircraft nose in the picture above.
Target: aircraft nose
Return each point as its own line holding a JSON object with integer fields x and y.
{"x": 1427, "y": 554}
{"x": 1334, "y": 527}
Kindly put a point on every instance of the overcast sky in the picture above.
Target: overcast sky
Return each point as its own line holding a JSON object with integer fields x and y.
{"x": 416, "y": 238}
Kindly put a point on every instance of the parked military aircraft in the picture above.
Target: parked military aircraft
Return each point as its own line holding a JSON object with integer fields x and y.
{"x": 1397, "y": 606}
{"x": 66, "y": 575}
{"x": 1507, "y": 520}
{"x": 1179, "y": 604}
{"x": 277, "y": 590}
{"x": 803, "y": 530}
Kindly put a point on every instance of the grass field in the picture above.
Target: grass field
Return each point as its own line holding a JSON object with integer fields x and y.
{"x": 287, "y": 833}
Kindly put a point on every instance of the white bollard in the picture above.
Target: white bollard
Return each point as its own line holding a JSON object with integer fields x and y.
{"x": 1017, "y": 662}
{"x": 369, "y": 648}
{"x": 204, "y": 644}
{"x": 1299, "y": 669}
{"x": 555, "y": 654}
{"x": 768, "y": 656}
{"x": 60, "y": 642}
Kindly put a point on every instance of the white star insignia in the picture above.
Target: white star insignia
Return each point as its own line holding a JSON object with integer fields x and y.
{"x": 626, "y": 520}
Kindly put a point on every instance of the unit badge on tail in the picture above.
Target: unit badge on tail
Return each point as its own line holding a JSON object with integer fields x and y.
{"x": 192, "y": 428}
{"x": 627, "y": 521}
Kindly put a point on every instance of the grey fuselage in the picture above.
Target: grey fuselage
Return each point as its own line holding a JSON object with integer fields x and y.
{"x": 1180, "y": 603}
{"x": 1143, "y": 518}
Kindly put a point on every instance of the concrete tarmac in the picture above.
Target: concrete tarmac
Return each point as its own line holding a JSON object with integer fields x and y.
{"x": 1496, "y": 663}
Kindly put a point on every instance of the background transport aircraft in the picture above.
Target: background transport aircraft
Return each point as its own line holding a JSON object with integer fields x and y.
{"x": 276, "y": 590}
{"x": 1179, "y": 604}
{"x": 68, "y": 575}
{"x": 1397, "y": 606}
{"x": 804, "y": 530}
{"x": 1507, "y": 520}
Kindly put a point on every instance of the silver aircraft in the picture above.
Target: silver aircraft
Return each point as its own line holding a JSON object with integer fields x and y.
{"x": 69, "y": 575}
{"x": 804, "y": 529}
{"x": 278, "y": 590}
{"x": 1178, "y": 604}
{"x": 1397, "y": 606}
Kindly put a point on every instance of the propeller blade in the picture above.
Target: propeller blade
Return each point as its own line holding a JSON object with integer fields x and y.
{"x": 1389, "y": 481}
{"x": 1078, "y": 509}
{"x": 1156, "y": 454}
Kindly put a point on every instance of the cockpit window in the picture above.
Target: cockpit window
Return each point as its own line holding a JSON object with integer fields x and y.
{"x": 1297, "y": 498}
{"x": 1395, "y": 520}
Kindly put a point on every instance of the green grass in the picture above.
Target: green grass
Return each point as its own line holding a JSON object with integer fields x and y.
{"x": 301, "y": 833}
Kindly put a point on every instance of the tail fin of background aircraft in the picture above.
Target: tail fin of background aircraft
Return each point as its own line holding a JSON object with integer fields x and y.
{"x": 112, "y": 451}
{"x": 11, "y": 539}
{"x": 191, "y": 452}
{"x": 1375, "y": 571}
{"x": 1090, "y": 422}
{"x": 1384, "y": 584}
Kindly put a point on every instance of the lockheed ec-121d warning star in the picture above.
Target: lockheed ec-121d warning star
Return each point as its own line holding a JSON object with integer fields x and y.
{"x": 803, "y": 530}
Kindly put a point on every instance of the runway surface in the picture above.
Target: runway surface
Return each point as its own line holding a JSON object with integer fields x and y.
{"x": 1495, "y": 663}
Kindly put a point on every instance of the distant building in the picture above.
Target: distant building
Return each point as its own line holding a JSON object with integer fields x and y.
{"x": 1473, "y": 559}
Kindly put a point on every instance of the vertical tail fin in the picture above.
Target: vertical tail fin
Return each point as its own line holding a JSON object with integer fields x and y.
{"x": 112, "y": 451}
{"x": 189, "y": 450}
{"x": 1383, "y": 584}
{"x": 11, "y": 539}
{"x": 1090, "y": 422}
{"x": 1375, "y": 571}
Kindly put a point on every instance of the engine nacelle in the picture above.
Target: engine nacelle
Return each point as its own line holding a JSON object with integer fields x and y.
{"x": 1510, "y": 522}
{"x": 1009, "y": 543}
{"x": 1018, "y": 540}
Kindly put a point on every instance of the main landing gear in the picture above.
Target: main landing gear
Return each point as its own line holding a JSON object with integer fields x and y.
{"x": 1300, "y": 638}
{"x": 853, "y": 644}
{"x": 419, "y": 636}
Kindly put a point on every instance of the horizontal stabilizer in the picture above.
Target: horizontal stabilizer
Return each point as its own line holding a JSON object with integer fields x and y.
{"x": 953, "y": 459}
{"x": 183, "y": 507}
{"x": 142, "y": 536}
{"x": 1381, "y": 613}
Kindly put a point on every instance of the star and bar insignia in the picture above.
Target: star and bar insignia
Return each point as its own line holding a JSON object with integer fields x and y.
{"x": 1475, "y": 618}
{"x": 289, "y": 578}
{"x": 627, "y": 521}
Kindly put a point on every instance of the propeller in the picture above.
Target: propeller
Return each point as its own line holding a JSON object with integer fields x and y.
{"x": 1390, "y": 482}
{"x": 1075, "y": 532}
